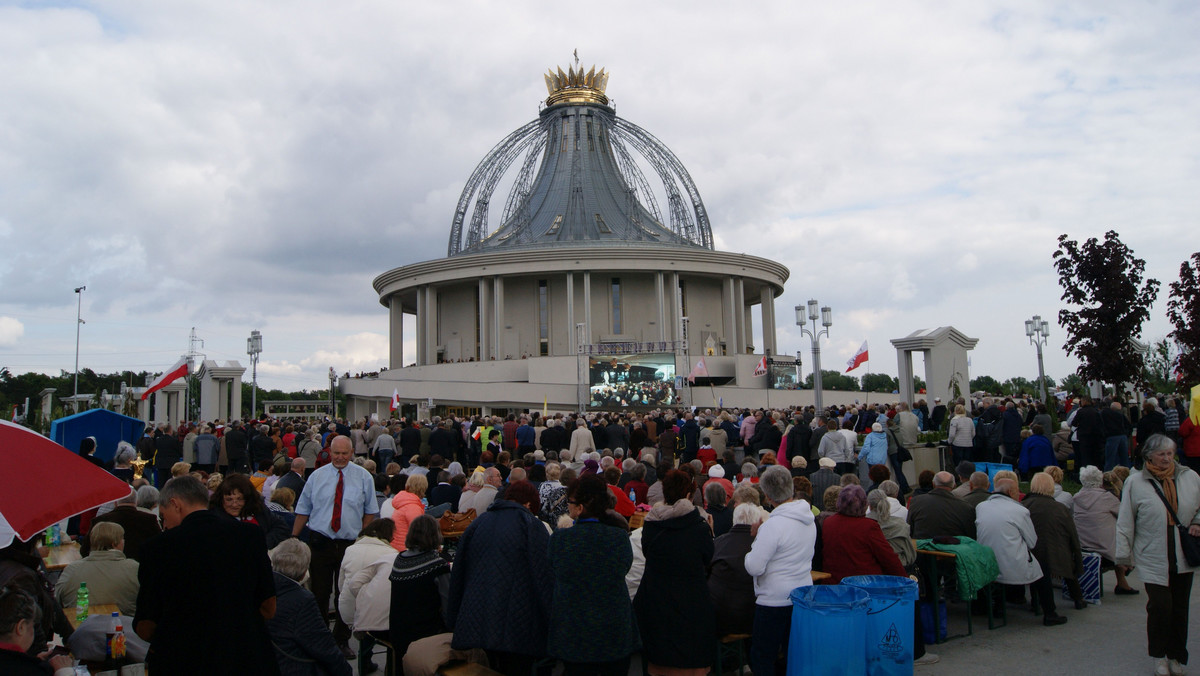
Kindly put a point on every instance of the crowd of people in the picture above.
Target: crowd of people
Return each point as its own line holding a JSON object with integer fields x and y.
{"x": 289, "y": 538}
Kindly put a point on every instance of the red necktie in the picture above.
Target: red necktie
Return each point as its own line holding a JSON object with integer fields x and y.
{"x": 335, "y": 524}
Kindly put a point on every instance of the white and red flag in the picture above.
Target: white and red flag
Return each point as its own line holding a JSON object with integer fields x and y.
{"x": 395, "y": 399}
{"x": 761, "y": 368}
{"x": 700, "y": 370}
{"x": 179, "y": 370}
{"x": 858, "y": 358}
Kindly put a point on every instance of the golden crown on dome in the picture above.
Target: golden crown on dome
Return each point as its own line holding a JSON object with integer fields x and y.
{"x": 576, "y": 86}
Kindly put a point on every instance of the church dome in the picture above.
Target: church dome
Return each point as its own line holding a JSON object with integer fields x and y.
{"x": 580, "y": 180}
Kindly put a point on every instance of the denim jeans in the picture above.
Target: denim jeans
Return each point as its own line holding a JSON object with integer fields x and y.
{"x": 772, "y": 628}
{"x": 1116, "y": 452}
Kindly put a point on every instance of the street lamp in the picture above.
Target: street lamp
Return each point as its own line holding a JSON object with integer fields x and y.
{"x": 78, "y": 323}
{"x": 1038, "y": 331}
{"x": 825, "y": 314}
{"x": 332, "y": 401}
{"x": 254, "y": 348}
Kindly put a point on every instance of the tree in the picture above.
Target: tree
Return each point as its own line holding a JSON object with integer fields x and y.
{"x": 1160, "y": 365}
{"x": 879, "y": 382}
{"x": 986, "y": 384}
{"x": 1074, "y": 384}
{"x": 1103, "y": 281}
{"x": 1183, "y": 309}
{"x": 834, "y": 381}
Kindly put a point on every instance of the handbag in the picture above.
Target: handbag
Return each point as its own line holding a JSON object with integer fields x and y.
{"x": 1189, "y": 544}
{"x": 456, "y": 523}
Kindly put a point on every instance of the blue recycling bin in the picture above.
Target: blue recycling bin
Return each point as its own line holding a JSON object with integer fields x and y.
{"x": 829, "y": 628}
{"x": 889, "y": 631}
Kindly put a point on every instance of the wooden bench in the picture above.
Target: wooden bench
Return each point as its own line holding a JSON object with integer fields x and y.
{"x": 933, "y": 557}
{"x": 467, "y": 669}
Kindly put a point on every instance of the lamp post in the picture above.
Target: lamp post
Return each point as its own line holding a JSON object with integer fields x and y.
{"x": 1038, "y": 331}
{"x": 254, "y": 348}
{"x": 78, "y": 323}
{"x": 825, "y": 314}
{"x": 332, "y": 400}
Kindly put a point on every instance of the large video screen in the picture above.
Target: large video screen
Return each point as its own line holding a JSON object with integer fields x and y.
{"x": 632, "y": 380}
{"x": 782, "y": 376}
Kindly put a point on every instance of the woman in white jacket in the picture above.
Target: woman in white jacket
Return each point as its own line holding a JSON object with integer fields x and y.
{"x": 779, "y": 560}
{"x": 1148, "y": 538}
{"x": 364, "y": 603}
{"x": 961, "y": 435}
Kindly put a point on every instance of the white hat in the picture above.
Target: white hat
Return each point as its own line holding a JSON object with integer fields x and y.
{"x": 827, "y": 463}
{"x": 936, "y": 399}
{"x": 716, "y": 472}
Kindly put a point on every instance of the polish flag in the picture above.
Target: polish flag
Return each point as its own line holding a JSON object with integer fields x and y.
{"x": 179, "y": 370}
{"x": 761, "y": 368}
{"x": 395, "y": 399}
{"x": 700, "y": 370}
{"x": 858, "y": 358}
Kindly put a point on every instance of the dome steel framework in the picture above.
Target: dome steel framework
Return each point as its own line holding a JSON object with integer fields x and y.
{"x": 578, "y": 180}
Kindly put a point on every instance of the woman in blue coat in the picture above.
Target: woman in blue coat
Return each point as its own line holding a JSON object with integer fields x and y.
{"x": 1036, "y": 452}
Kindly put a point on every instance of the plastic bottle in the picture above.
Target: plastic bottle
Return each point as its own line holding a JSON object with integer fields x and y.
{"x": 81, "y": 603}
{"x": 633, "y": 496}
{"x": 114, "y": 640}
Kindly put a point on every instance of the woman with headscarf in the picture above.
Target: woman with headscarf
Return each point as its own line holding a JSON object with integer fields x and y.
{"x": 677, "y": 543}
{"x": 1155, "y": 504}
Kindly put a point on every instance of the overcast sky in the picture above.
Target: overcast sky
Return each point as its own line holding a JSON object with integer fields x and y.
{"x": 244, "y": 165}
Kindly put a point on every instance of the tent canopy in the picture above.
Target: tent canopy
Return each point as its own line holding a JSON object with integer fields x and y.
{"x": 108, "y": 428}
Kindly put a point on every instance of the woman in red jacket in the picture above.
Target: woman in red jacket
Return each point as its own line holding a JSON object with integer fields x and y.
{"x": 1189, "y": 443}
{"x": 854, "y": 544}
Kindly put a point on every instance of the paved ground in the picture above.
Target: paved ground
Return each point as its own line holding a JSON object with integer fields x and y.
{"x": 1104, "y": 640}
{"x": 1098, "y": 641}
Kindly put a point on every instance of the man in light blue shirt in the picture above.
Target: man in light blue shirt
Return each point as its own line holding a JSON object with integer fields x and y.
{"x": 337, "y": 502}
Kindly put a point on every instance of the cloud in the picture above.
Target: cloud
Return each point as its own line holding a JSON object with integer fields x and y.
{"x": 257, "y": 165}
{"x": 361, "y": 351}
{"x": 11, "y": 331}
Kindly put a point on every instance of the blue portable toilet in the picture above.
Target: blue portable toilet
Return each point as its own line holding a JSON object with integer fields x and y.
{"x": 108, "y": 428}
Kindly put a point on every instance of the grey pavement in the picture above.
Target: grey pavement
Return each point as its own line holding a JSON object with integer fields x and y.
{"x": 1098, "y": 641}
{"x": 1104, "y": 640}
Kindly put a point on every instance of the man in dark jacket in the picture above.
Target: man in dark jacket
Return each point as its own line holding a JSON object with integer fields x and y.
{"x": 410, "y": 443}
{"x": 940, "y": 512}
{"x": 1116, "y": 436}
{"x": 262, "y": 446}
{"x": 690, "y": 431}
{"x": 938, "y": 416}
{"x": 139, "y": 527}
{"x": 167, "y": 452}
{"x": 205, "y": 582}
{"x": 235, "y": 448}
{"x": 1089, "y": 430}
{"x": 441, "y": 441}
{"x": 616, "y": 435}
{"x": 1012, "y": 433}
{"x": 798, "y": 438}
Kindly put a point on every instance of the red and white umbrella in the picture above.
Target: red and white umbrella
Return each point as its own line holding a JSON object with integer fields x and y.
{"x": 42, "y": 483}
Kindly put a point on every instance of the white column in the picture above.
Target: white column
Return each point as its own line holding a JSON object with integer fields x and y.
{"x": 395, "y": 332}
{"x": 160, "y": 407}
{"x": 676, "y": 309}
{"x": 741, "y": 314}
{"x": 421, "y": 318}
{"x": 431, "y": 324}
{"x": 587, "y": 307}
{"x": 767, "y": 297}
{"x": 571, "y": 313}
{"x": 209, "y": 396}
{"x": 485, "y": 345}
{"x": 658, "y": 318}
{"x": 498, "y": 297}
{"x": 222, "y": 388}
{"x": 727, "y": 323}
{"x": 235, "y": 409}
